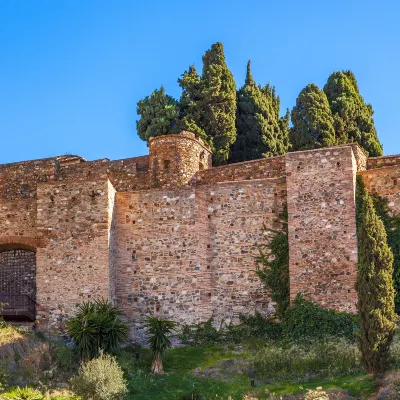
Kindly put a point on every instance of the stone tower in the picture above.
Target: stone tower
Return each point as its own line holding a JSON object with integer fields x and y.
{"x": 175, "y": 159}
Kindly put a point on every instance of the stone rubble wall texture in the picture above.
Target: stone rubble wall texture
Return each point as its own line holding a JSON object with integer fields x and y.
{"x": 167, "y": 234}
{"x": 322, "y": 230}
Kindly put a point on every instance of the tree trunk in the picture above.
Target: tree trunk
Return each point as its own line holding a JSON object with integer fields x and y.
{"x": 157, "y": 366}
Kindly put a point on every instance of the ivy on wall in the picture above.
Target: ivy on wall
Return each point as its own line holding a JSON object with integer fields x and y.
{"x": 273, "y": 265}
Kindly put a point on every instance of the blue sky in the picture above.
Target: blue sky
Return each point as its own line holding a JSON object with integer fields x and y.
{"x": 72, "y": 71}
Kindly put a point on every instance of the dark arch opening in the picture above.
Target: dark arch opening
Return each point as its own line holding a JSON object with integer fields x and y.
{"x": 18, "y": 282}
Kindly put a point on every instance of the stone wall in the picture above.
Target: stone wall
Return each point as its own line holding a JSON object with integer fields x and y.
{"x": 322, "y": 230}
{"x": 383, "y": 178}
{"x": 74, "y": 265}
{"x": 167, "y": 234}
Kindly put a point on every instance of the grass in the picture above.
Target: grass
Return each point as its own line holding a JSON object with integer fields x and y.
{"x": 179, "y": 380}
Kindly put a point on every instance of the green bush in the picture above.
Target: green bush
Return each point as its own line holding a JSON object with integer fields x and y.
{"x": 200, "y": 334}
{"x": 100, "y": 379}
{"x": 307, "y": 362}
{"x": 26, "y": 393}
{"x": 252, "y": 328}
{"x": 97, "y": 326}
{"x": 307, "y": 320}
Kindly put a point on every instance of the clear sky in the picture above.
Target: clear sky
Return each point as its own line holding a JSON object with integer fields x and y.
{"x": 72, "y": 71}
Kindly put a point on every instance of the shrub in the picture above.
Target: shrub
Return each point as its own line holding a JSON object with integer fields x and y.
{"x": 200, "y": 334}
{"x": 100, "y": 379}
{"x": 307, "y": 362}
{"x": 97, "y": 326}
{"x": 254, "y": 327}
{"x": 24, "y": 394}
{"x": 307, "y": 320}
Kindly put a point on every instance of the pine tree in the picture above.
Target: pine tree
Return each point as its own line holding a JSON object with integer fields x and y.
{"x": 353, "y": 117}
{"x": 374, "y": 286}
{"x": 209, "y": 103}
{"x": 260, "y": 130}
{"x": 159, "y": 114}
{"x": 313, "y": 124}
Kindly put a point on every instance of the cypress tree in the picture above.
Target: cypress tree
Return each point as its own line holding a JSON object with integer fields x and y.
{"x": 260, "y": 130}
{"x": 208, "y": 103}
{"x": 159, "y": 114}
{"x": 374, "y": 286}
{"x": 313, "y": 124}
{"x": 353, "y": 117}
{"x": 190, "y": 113}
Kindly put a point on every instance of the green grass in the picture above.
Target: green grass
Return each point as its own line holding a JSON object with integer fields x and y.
{"x": 179, "y": 381}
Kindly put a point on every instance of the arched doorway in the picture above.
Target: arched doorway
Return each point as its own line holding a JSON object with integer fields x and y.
{"x": 18, "y": 282}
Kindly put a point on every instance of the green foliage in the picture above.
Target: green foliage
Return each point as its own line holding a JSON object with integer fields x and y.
{"x": 208, "y": 104}
{"x": 200, "y": 334}
{"x": 159, "y": 332}
{"x": 353, "y": 117}
{"x": 313, "y": 123}
{"x": 273, "y": 265}
{"x": 159, "y": 115}
{"x": 260, "y": 130}
{"x": 307, "y": 362}
{"x": 26, "y": 393}
{"x": 391, "y": 223}
{"x": 97, "y": 326}
{"x": 306, "y": 320}
{"x": 374, "y": 286}
{"x": 191, "y": 117}
{"x": 100, "y": 379}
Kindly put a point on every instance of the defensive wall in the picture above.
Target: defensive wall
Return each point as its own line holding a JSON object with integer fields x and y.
{"x": 168, "y": 234}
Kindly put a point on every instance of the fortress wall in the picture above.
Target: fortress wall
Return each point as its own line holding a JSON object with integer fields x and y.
{"x": 160, "y": 255}
{"x": 384, "y": 180}
{"x": 322, "y": 230}
{"x": 384, "y": 161}
{"x": 74, "y": 265}
{"x": 273, "y": 167}
{"x": 238, "y": 211}
{"x": 125, "y": 175}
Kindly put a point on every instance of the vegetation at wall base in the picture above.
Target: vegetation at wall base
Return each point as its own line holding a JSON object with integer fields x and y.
{"x": 374, "y": 286}
{"x": 273, "y": 264}
{"x": 96, "y": 326}
{"x": 159, "y": 332}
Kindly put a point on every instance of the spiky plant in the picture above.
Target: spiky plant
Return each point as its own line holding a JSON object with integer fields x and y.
{"x": 97, "y": 326}
{"x": 159, "y": 332}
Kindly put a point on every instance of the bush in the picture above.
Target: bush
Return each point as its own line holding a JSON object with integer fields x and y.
{"x": 307, "y": 320}
{"x": 252, "y": 328}
{"x": 200, "y": 334}
{"x": 100, "y": 379}
{"x": 24, "y": 394}
{"x": 97, "y": 326}
{"x": 307, "y": 362}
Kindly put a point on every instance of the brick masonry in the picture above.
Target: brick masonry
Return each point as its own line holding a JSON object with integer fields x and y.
{"x": 167, "y": 234}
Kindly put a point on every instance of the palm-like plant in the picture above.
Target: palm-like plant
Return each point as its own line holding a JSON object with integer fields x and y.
{"x": 159, "y": 332}
{"x": 97, "y": 326}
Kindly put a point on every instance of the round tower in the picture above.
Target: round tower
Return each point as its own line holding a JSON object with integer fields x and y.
{"x": 175, "y": 159}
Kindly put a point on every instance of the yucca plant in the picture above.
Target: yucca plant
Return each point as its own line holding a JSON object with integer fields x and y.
{"x": 159, "y": 332}
{"x": 97, "y": 326}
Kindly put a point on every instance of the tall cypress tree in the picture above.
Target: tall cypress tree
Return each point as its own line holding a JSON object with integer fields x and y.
{"x": 260, "y": 130}
{"x": 374, "y": 285}
{"x": 191, "y": 118}
{"x": 159, "y": 114}
{"x": 353, "y": 117}
{"x": 313, "y": 124}
{"x": 209, "y": 103}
